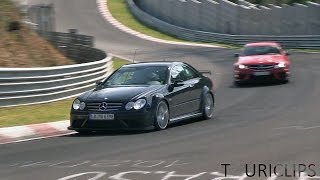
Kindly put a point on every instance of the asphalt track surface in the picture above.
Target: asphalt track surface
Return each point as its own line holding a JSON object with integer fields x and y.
{"x": 269, "y": 124}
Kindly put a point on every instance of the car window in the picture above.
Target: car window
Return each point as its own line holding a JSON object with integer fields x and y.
{"x": 123, "y": 78}
{"x": 182, "y": 73}
{"x": 260, "y": 50}
{"x": 190, "y": 72}
{"x": 144, "y": 75}
{"x": 176, "y": 73}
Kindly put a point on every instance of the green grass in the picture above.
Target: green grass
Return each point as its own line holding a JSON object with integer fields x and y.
{"x": 120, "y": 11}
{"x": 117, "y": 62}
{"x": 33, "y": 114}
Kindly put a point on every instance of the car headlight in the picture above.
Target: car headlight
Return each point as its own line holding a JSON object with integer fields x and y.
{"x": 76, "y": 104}
{"x": 139, "y": 104}
{"x": 82, "y": 105}
{"x": 280, "y": 65}
{"x": 241, "y": 66}
{"x": 129, "y": 105}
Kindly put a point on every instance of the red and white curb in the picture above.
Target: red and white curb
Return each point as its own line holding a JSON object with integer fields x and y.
{"x": 33, "y": 132}
{"x": 102, "y": 6}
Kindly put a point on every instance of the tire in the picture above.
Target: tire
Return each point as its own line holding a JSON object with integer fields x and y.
{"x": 162, "y": 116}
{"x": 286, "y": 80}
{"x": 237, "y": 83}
{"x": 208, "y": 106}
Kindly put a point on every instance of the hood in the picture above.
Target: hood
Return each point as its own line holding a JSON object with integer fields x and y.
{"x": 120, "y": 94}
{"x": 261, "y": 59}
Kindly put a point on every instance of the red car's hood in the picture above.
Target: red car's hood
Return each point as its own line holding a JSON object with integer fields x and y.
{"x": 261, "y": 59}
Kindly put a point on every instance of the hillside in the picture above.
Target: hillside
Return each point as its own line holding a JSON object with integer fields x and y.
{"x": 23, "y": 47}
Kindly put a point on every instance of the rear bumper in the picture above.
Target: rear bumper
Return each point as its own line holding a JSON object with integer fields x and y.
{"x": 247, "y": 75}
{"x": 142, "y": 120}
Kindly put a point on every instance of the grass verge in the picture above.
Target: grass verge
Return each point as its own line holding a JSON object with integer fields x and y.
{"x": 33, "y": 114}
{"x": 117, "y": 63}
{"x": 120, "y": 11}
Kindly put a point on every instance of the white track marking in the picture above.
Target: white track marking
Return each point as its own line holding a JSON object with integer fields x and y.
{"x": 37, "y": 138}
{"x": 15, "y": 132}
{"x": 173, "y": 174}
{"x": 60, "y": 125}
{"x": 148, "y": 164}
{"x": 97, "y": 176}
{"x": 297, "y": 127}
{"x": 120, "y": 176}
{"x": 273, "y": 177}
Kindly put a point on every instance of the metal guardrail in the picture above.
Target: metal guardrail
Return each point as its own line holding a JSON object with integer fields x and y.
{"x": 22, "y": 86}
{"x": 68, "y": 38}
{"x": 73, "y": 45}
{"x": 307, "y": 41}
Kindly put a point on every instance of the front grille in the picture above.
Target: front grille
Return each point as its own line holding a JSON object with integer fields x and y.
{"x": 111, "y": 106}
{"x": 261, "y": 67}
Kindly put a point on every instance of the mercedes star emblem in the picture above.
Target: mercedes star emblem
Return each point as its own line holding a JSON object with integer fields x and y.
{"x": 103, "y": 106}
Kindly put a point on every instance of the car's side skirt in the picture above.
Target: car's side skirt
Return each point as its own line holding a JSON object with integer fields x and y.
{"x": 187, "y": 116}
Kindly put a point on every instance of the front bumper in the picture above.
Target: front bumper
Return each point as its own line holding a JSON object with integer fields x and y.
{"x": 123, "y": 120}
{"x": 245, "y": 75}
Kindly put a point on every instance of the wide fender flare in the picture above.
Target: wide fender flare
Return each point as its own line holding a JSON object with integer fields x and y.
{"x": 156, "y": 98}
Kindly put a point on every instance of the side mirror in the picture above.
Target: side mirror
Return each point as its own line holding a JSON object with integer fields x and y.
{"x": 236, "y": 55}
{"x": 98, "y": 83}
{"x": 287, "y": 53}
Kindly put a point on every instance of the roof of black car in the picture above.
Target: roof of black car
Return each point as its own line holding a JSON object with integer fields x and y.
{"x": 158, "y": 63}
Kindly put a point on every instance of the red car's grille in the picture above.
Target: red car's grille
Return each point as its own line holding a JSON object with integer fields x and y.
{"x": 261, "y": 67}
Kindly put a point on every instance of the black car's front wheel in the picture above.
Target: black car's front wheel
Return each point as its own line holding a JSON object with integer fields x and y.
{"x": 207, "y": 112}
{"x": 161, "y": 116}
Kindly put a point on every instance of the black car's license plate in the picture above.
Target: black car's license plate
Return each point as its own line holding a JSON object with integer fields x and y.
{"x": 101, "y": 116}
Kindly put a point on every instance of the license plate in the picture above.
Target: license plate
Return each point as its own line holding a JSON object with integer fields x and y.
{"x": 263, "y": 73}
{"x": 102, "y": 116}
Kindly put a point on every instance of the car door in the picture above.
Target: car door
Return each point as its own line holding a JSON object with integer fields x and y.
{"x": 184, "y": 99}
{"x": 193, "y": 81}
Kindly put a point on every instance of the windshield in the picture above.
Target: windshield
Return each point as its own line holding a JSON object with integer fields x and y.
{"x": 144, "y": 75}
{"x": 260, "y": 50}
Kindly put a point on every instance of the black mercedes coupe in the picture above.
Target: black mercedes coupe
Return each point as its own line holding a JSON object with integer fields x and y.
{"x": 144, "y": 96}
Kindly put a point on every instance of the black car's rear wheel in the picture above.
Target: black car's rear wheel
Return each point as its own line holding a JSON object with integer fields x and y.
{"x": 208, "y": 106}
{"x": 161, "y": 119}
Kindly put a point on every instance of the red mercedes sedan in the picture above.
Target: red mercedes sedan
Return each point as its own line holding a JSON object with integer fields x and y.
{"x": 262, "y": 61}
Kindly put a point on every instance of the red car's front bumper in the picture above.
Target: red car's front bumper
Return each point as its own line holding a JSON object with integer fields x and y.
{"x": 280, "y": 74}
